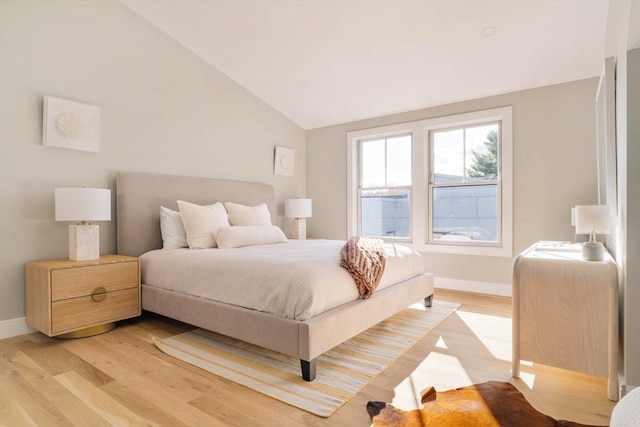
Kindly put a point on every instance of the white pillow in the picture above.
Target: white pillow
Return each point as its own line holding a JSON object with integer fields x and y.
{"x": 249, "y": 235}
{"x": 247, "y": 215}
{"x": 201, "y": 223}
{"x": 172, "y": 229}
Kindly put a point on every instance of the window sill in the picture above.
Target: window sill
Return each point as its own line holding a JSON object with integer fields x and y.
{"x": 495, "y": 251}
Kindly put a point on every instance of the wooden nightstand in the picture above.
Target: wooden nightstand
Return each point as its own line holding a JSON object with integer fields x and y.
{"x": 565, "y": 312}
{"x": 70, "y": 299}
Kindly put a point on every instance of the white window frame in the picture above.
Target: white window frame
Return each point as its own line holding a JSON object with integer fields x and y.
{"x": 420, "y": 213}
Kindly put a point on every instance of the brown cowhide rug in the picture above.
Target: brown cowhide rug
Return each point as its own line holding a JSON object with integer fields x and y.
{"x": 492, "y": 403}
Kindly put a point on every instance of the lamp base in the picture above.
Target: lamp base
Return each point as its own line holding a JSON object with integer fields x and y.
{"x": 299, "y": 228}
{"x": 593, "y": 251}
{"x": 84, "y": 242}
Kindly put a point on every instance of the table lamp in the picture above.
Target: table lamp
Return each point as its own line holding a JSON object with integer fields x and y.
{"x": 592, "y": 220}
{"x": 299, "y": 210}
{"x": 83, "y": 204}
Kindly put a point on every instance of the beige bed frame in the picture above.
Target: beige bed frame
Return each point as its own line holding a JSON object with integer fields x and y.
{"x": 139, "y": 197}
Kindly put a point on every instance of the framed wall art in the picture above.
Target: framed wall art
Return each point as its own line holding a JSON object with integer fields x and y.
{"x": 284, "y": 161}
{"x": 70, "y": 124}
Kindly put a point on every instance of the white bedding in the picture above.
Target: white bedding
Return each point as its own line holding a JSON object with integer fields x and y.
{"x": 296, "y": 280}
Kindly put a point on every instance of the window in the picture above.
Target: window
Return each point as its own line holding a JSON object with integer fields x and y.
{"x": 385, "y": 186}
{"x": 464, "y": 186}
{"x": 441, "y": 185}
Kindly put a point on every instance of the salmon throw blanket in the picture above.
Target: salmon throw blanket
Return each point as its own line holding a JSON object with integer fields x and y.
{"x": 364, "y": 258}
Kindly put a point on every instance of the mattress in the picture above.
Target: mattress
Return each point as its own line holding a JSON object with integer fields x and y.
{"x": 297, "y": 280}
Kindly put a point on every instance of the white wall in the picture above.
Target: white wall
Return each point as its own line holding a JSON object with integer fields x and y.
{"x": 623, "y": 43}
{"x": 554, "y": 168}
{"x": 164, "y": 111}
{"x": 631, "y": 251}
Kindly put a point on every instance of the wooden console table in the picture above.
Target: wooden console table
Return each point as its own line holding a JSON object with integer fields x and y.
{"x": 565, "y": 312}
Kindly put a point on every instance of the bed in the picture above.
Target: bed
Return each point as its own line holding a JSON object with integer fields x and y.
{"x": 139, "y": 198}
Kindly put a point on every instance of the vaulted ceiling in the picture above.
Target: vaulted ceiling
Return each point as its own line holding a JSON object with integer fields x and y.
{"x": 327, "y": 62}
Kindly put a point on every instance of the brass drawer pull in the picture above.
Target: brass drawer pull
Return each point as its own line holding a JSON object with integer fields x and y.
{"x": 99, "y": 294}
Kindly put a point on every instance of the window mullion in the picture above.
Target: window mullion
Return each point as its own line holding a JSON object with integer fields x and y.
{"x": 386, "y": 166}
{"x": 464, "y": 154}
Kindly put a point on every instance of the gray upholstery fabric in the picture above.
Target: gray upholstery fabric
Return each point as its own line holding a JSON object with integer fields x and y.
{"x": 139, "y": 197}
{"x": 327, "y": 330}
{"x": 304, "y": 340}
{"x": 263, "y": 329}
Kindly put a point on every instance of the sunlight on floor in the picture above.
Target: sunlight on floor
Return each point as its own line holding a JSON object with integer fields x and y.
{"x": 474, "y": 345}
{"x": 484, "y": 327}
{"x": 407, "y": 393}
{"x": 418, "y": 306}
{"x": 528, "y": 378}
{"x": 451, "y": 363}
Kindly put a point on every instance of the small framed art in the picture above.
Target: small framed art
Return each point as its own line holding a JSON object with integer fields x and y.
{"x": 284, "y": 161}
{"x": 70, "y": 124}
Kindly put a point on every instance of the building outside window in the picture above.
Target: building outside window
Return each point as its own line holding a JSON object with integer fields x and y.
{"x": 385, "y": 186}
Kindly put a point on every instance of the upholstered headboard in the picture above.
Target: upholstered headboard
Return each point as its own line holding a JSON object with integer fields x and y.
{"x": 140, "y": 195}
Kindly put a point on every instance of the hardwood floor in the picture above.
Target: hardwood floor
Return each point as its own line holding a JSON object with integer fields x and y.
{"x": 121, "y": 378}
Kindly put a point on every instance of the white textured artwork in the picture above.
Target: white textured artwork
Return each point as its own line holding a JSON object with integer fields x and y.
{"x": 284, "y": 161}
{"x": 70, "y": 124}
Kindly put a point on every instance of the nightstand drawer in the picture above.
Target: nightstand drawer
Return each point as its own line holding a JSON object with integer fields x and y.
{"x": 82, "y": 312}
{"x": 82, "y": 281}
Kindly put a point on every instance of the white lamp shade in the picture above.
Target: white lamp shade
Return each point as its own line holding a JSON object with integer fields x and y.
{"x": 83, "y": 204}
{"x": 592, "y": 219}
{"x": 297, "y": 208}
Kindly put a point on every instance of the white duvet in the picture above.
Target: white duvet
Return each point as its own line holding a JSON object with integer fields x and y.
{"x": 297, "y": 280}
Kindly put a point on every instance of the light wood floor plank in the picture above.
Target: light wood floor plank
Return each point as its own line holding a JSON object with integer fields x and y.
{"x": 122, "y": 374}
{"x": 57, "y": 396}
{"x": 115, "y": 357}
{"x": 239, "y": 413}
{"x": 146, "y": 409}
{"x": 23, "y": 397}
{"x": 158, "y": 387}
{"x": 11, "y": 412}
{"x": 108, "y": 408}
{"x": 56, "y": 359}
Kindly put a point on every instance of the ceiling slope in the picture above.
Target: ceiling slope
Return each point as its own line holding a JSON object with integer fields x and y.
{"x": 327, "y": 62}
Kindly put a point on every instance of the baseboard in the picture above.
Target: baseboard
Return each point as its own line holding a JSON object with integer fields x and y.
{"x": 498, "y": 289}
{"x": 13, "y": 327}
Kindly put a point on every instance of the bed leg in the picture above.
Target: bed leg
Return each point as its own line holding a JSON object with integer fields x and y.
{"x": 308, "y": 369}
{"x": 428, "y": 301}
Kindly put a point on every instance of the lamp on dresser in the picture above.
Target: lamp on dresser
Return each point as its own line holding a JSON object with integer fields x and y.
{"x": 592, "y": 220}
{"x": 81, "y": 205}
{"x": 299, "y": 210}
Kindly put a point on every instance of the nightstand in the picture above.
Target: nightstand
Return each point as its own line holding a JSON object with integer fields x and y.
{"x": 565, "y": 312}
{"x": 70, "y": 299}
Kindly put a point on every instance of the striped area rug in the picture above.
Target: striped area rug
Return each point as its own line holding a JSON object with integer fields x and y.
{"x": 341, "y": 372}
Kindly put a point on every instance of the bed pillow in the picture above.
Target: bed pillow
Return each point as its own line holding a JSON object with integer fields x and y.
{"x": 248, "y": 215}
{"x": 201, "y": 223}
{"x": 249, "y": 235}
{"x": 172, "y": 229}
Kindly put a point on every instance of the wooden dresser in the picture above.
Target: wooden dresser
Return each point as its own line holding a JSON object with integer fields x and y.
{"x": 70, "y": 299}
